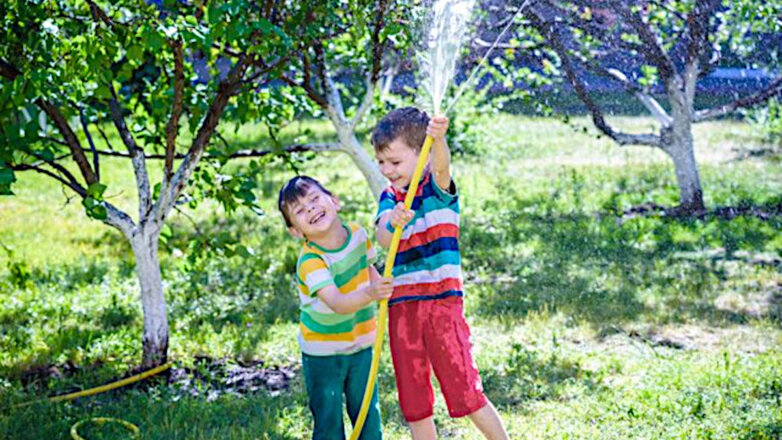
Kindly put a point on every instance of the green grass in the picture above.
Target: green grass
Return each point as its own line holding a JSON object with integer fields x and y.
{"x": 585, "y": 324}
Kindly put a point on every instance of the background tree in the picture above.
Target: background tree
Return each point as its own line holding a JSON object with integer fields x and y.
{"x": 70, "y": 70}
{"x": 652, "y": 49}
{"x": 340, "y": 69}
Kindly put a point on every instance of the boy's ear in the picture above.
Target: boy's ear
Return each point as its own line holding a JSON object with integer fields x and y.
{"x": 295, "y": 232}
{"x": 336, "y": 201}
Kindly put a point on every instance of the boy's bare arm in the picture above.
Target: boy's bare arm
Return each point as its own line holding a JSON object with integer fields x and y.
{"x": 378, "y": 289}
{"x": 381, "y": 233}
{"x": 374, "y": 275}
{"x": 398, "y": 217}
{"x": 441, "y": 154}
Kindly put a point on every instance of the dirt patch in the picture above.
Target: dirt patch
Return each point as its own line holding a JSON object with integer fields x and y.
{"x": 652, "y": 339}
{"x": 207, "y": 377}
{"x": 692, "y": 337}
{"x": 760, "y": 305}
{"x": 214, "y": 377}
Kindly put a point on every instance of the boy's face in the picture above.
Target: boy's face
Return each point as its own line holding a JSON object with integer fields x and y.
{"x": 397, "y": 163}
{"x": 313, "y": 215}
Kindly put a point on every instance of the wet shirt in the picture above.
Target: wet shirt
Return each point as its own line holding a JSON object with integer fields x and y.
{"x": 428, "y": 263}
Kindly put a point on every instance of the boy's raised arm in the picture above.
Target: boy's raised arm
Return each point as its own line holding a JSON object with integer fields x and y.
{"x": 441, "y": 154}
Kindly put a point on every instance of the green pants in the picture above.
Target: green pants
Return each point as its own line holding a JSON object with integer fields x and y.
{"x": 328, "y": 378}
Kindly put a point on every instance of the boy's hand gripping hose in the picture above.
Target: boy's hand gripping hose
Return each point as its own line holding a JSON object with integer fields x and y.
{"x": 382, "y": 317}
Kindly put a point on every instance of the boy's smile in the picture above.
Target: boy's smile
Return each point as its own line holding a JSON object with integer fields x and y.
{"x": 397, "y": 163}
{"x": 314, "y": 215}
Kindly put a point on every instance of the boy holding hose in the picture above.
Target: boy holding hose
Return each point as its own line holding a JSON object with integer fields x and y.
{"x": 338, "y": 287}
{"x": 426, "y": 322}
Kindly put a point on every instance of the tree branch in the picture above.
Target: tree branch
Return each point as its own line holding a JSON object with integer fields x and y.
{"x": 366, "y": 103}
{"x": 78, "y": 189}
{"x": 698, "y": 27}
{"x": 10, "y": 72}
{"x": 225, "y": 90}
{"x": 651, "y": 48}
{"x": 377, "y": 45}
{"x": 70, "y": 139}
{"x": 548, "y": 31}
{"x": 176, "y": 112}
{"x": 95, "y": 160}
{"x": 98, "y": 14}
{"x": 307, "y": 82}
{"x": 53, "y": 163}
{"x": 296, "y": 148}
{"x": 646, "y": 99}
{"x": 105, "y": 138}
{"x": 114, "y": 217}
{"x": 593, "y": 29}
{"x": 334, "y": 101}
{"x": 374, "y": 74}
{"x": 119, "y": 219}
{"x": 773, "y": 89}
{"x": 698, "y": 56}
{"x": 139, "y": 165}
{"x": 389, "y": 80}
{"x": 53, "y": 140}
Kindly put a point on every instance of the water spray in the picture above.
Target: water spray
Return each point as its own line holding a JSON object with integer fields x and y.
{"x": 466, "y": 82}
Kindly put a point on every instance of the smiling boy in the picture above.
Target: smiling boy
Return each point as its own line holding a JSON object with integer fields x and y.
{"x": 338, "y": 286}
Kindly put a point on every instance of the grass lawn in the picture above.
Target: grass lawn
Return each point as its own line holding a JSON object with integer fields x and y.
{"x": 587, "y": 322}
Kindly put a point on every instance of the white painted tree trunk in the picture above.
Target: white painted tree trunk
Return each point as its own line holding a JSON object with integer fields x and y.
{"x": 678, "y": 142}
{"x": 346, "y": 132}
{"x": 690, "y": 193}
{"x": 349, "y": 144}
{"x": 155, "y": 340}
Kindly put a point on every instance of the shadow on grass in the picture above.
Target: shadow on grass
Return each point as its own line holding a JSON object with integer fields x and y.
{"x": 527, "y": 255}
{"x": 528, "y": 377}
{"x": 769, "y": 431}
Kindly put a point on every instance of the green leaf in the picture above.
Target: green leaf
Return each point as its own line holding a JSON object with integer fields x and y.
{"x": 244, "y": 251}
{"x": 96, "y": 190}
{"x": 135, "y": 53}
{"x": 94, "y": 208}
{"x": 103, "y": 92}
{"x": 7, "y": 177}
{"x": 99, "y": 213}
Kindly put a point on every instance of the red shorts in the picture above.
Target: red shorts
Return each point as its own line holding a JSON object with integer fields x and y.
{"x": 433, "y": 333}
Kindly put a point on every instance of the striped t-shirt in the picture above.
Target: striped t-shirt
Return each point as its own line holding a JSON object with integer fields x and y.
{"x": 428, "y": 263}
{"x": 324, "y": 332}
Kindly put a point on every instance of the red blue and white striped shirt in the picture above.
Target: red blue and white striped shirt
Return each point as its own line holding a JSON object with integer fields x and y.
{"x": 428, "y": 262}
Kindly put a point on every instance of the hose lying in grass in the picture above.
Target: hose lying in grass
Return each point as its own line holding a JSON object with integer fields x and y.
{"x": 101, "y": 389}
{"x": 100, "y": 421}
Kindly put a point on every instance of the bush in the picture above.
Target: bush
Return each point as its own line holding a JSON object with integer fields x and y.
{"x": 768, "y": 121}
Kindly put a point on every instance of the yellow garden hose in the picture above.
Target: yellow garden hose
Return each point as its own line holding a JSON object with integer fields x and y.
{"x": 382, "y": 317}
{"x": 111, "y": 386}
{"x": 102, "y": 420}
{"x": 103, "y": 388}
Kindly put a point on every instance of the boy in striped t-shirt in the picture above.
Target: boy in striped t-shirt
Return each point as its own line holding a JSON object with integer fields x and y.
{"x": 338, "y": 287}
{"x": 426, "y": 323}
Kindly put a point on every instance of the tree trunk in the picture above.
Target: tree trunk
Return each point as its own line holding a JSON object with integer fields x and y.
{"x": 677, "y": 142}
{"x": 680, "y": 149}
{"x": 364, "y": 162}
{"x": 155, "y": 339}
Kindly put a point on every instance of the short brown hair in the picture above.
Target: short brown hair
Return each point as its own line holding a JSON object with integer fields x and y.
{"x": 407, "y": 123}
{"x": 293, "y": 190}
